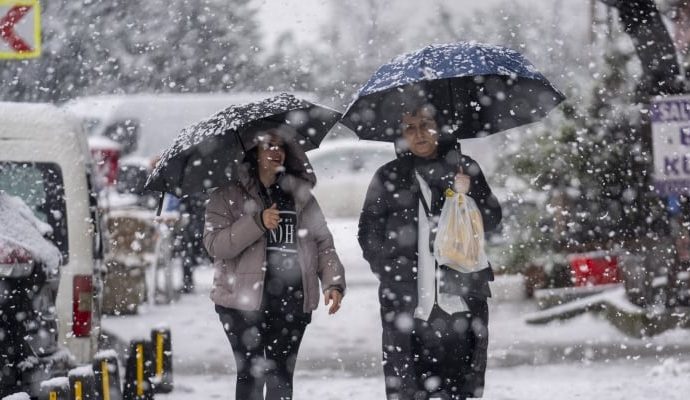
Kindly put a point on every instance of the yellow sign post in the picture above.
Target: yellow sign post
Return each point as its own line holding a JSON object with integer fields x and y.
{"x": 20, "y": 29}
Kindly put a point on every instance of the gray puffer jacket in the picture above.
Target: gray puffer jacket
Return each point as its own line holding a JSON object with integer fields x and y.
{"x": 234, "y": 236}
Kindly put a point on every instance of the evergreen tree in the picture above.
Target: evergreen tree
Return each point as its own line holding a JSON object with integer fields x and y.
{"x": 596, "y": 168}
{"x": 108, "y": 46}
{"x": 192, "y": 45}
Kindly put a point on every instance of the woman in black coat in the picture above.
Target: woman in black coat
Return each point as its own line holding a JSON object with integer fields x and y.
{"x": 389, "y": 233}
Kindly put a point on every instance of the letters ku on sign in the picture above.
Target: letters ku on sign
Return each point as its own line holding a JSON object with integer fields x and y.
{"x": 671, "y": 144}
{"x": 20, "y": 29}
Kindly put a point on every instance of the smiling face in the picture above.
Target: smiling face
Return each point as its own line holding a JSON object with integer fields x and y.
{"x": 420, "y": 131}
{"x": 271, "y": 154}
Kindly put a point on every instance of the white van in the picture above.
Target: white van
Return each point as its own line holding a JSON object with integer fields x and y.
{"x": 45, "y": 162}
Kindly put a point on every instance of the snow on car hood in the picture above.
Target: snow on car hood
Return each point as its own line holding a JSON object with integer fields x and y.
{"x": 19, "y": 225}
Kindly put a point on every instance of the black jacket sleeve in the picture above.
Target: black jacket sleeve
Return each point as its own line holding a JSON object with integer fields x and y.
{"x": 372, "y": 222}
{"x": 482, "y": 195}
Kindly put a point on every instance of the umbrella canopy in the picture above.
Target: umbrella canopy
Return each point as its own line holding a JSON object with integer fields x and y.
{"x": 476, "y": 90}
{"x": 207, "y": 154}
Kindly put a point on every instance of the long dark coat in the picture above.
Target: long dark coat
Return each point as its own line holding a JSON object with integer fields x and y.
{"x": 388, "y": 237}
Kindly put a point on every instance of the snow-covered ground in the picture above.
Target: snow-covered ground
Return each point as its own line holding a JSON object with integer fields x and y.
{"x": 339, "y": 359}
{"x": 620, "y": 380}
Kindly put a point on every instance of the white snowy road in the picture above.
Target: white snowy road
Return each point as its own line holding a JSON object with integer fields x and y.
{"x": 340, "y": 356}
{"x": 620, "y": 380}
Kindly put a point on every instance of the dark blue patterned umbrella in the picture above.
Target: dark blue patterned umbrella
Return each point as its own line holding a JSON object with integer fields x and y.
{"x": 477, "y": 89}
{"x": 206, "y": 155}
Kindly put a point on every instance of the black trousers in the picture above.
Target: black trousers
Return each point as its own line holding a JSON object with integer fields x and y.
{"x": 443, "y": 349}
{"x": 265, "y": 346}
{"x": 447, "y": 354}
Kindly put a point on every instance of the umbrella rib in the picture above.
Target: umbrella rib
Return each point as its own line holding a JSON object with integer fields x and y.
{"x": 239, "y": 139}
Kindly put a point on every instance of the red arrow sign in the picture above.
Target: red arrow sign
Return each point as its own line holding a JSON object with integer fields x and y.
{"x": 7, "y": 23}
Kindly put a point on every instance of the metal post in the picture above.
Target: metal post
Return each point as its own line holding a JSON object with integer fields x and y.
{"x": 55, "y": 389}
{"x": 138, "y": 372}
{"x": 162, "y": 360}
{"x": 83, "y": 383}
{"x": 107, "y": 372}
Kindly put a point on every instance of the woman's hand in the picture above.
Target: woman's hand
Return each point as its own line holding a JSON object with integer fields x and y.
{"x": 333, "y": 294}
{"x": 271, "y": 217}
{"x": 462, "y": 182}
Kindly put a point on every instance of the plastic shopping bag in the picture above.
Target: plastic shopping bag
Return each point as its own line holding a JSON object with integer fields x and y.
{"x": 459, "y": 240}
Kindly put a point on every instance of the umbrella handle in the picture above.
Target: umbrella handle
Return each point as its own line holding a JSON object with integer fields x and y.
{"x": 160, "y": 205}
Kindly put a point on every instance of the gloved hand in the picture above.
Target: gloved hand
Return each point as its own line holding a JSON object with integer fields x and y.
{"x": 462, "y": 182}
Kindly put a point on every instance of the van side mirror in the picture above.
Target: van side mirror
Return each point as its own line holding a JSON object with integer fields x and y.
{"x": 125, "y": 132}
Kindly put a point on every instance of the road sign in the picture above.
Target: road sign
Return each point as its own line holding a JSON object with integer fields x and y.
{"x": 671, "y": 144}
{"x": 20, "y": 29}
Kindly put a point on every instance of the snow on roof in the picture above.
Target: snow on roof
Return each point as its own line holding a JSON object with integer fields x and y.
{"x": 162, "y": 326}
{"x": 103, "y": 143}
{"x": 105, "y": 354}
{"x": 19, "y": 225}
{"x": 83, "y": 371}
{"x": 18, "y": 396}
{"x": 159, "y": 117}
{"x": 105, "y": 105}
{"x": 36, "y": 121}
{"x": 140, "y": 338}
{"x": 139, "y": 161}
{"x": 59, "y": 382}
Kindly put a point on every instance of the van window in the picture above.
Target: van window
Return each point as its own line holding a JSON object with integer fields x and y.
{"x": 40, "y": 186}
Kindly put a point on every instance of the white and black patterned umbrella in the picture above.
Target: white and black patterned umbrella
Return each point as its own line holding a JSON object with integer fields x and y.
{"x": 478, "y": 90}
{"x": 206, "y": 155}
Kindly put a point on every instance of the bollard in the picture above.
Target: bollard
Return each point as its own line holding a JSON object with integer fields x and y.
{"x": 83, "y": 383}
{"x": 107, "y": 372}
{"x": 138, "y": 372}
{"x": 56, "y": 389}
{"x": 162, "y": 360}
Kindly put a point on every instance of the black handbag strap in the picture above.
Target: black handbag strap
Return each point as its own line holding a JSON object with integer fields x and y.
{"x": 429, "y": 214}
{"x": 427, "y": 211}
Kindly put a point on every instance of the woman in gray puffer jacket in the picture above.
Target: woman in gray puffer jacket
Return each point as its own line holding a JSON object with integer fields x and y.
{"x": 271, "y": 246}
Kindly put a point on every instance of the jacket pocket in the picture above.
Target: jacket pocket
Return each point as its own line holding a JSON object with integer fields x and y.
{"x": 225, "y": 276}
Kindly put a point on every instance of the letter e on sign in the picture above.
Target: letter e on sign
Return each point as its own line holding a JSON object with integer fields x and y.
{"x": 20, "y": 29}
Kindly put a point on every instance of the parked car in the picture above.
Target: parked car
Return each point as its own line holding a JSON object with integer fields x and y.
{"x": 343, "y": 171}
{"x": 29, "y": 278}
{"x": 44, "y": 161}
